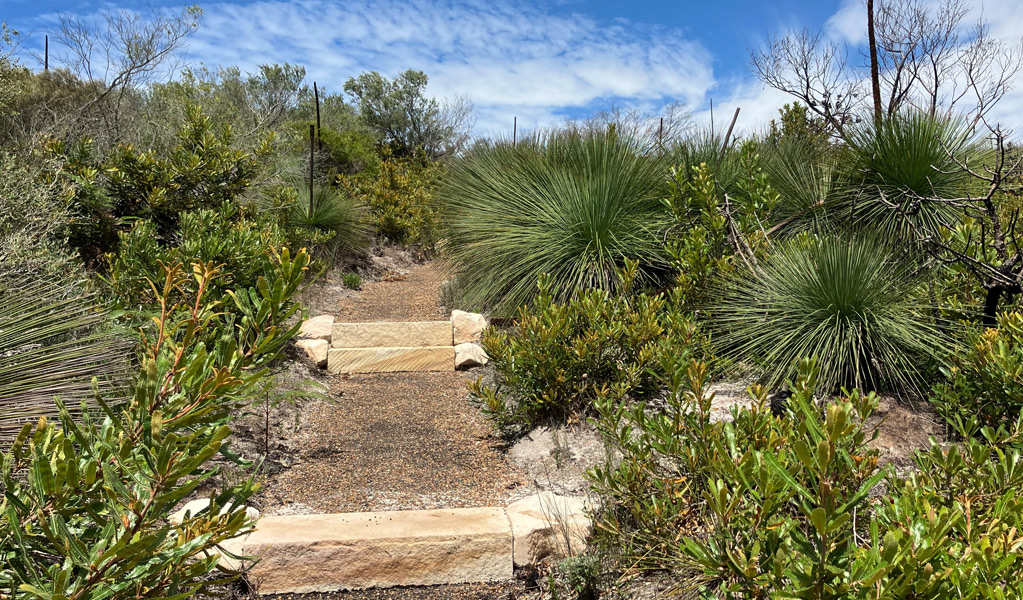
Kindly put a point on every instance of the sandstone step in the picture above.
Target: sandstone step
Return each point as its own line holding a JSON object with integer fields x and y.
{"x": 325, "y": 553}
{"x": 389, "y": 360}
{"x": 392, "y": 334}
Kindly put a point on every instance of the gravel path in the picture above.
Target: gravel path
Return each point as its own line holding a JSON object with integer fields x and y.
{"x": 475, "y": 591}
{"x": 394, "y": 441}
{"x": 412, "y": 297}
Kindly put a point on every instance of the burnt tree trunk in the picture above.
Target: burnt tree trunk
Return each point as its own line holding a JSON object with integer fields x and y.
{"x": 994, "y": 294}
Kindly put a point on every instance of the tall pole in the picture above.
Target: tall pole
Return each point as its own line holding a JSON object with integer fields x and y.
{"x": 660, "y": 133}
{"x": 515, "y": 130}
{"x": 729, "y": 133}
{"x": 312, "y": 158}
{"x": 316, "y": 95}
{"x": 46, "y": 55}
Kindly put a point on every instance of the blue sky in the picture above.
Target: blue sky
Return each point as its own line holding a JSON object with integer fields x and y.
{"x": 539, "y": 61}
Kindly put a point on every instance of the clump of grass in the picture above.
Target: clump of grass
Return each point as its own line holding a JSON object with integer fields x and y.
{"x": 851, "y": 302}
{"x": 572, "y": 205}
{"x": 352, "y": 281}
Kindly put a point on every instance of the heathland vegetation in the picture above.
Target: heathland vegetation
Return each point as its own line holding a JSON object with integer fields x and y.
{"x": 157, "y": 227}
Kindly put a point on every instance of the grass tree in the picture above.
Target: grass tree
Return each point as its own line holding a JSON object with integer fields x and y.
{"x": 899, "y": 169}
{"x": 572, "y": 205}
{"x": 52, "y": 344}
{"x": 850, "y": 302}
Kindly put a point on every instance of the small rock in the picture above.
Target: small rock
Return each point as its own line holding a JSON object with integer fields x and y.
{"x": 468, "y": 355}
{"x": 548, "y": 525}
{"x": 316, "y": 350}
{"x": 468, "y": 327}
{"x": 194, "y": 507}
{"x": 317, "y": 328}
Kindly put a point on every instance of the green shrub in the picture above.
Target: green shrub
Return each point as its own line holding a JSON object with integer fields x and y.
{"x": 85, "y": 507}
{"x": 202, "y": 172}
{"x": 769, "y": 506}
{"x": 35, "y": 218}
{"x": 241, "y": 246}
{"x": 400, "y": 199}
{"x": 903, "y": 161}
{"x": 352, "y": 281}
{"x": 572, "y": 205}
{"x": 848, "y": 301}
{"x": 560, "y": 357}
{"x": 984, "y": 386}
{"x": 718, "y": 211}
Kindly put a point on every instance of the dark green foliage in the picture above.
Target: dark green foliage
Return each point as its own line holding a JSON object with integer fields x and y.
{"x": 202, "y": 171}
{"x": 351, "y": 152}
{"x": 985, "y": 381}
{"x": 560, "y": 357}
{"x": 717, "y": 217}
{"x": 54, "y": 343}
{"x": 899, "y": 164}
{"x": 851, "y": 302}
{"x": 84, "y": 515}
{"x": 574, "y": 206}
{"x": 242, "y": 246}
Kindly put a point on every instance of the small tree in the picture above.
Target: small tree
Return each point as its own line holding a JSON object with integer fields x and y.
{"x": 406, "y": 118}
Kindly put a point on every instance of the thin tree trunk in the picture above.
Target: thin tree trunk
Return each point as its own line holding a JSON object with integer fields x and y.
{"x": 875, "y": 76}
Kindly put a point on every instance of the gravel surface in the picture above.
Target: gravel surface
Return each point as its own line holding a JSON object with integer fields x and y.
{"x": 411, "y": 297}
{"x": 394, "y": 441}
{"x": 475, "y": 591}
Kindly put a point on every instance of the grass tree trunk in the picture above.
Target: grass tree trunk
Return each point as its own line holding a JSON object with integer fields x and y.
{"x": 994, "y": 294}
{"x": 875, "y": 76}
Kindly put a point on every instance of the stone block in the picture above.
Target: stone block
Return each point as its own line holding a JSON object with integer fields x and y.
{"x": 389, "y": 360}
{"x": 326, "y": 553}
{"x": 546, "y": 524}
{"x": 467, "y": 326}
{"x": 468, "y": 355}
{"x": 391, "y": 335}
{"x": 317, "y": 328}
{"x": 316, "y": 350}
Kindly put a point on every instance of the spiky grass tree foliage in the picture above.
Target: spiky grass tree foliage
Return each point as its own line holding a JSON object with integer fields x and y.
{"x": 51, "y": 345}
{"x": 903, "y": 161}
{"x": 851, "y": 302}
{"x": 574, "y": 206}
{"x": 339, "y": 221}
{"x": 805, "y": 174}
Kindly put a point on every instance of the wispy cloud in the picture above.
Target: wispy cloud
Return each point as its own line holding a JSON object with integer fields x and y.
{"x": 511, "y": 60}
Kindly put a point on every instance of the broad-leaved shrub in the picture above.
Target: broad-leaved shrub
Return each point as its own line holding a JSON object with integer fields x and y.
{"x": 766, "y": 505}
{"x": 84, "y": 515}
{"x": 984, "y": 386}
{"x": 559, "y": 358}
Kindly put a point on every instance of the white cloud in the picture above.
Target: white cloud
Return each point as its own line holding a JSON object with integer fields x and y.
{"x": 849, "y": 24}
{"x": 510, "y": 60}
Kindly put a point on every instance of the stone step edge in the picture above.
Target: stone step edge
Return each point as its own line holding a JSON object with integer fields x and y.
{"x": 394, "y": 359}
{"x": 305, "y": 554}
